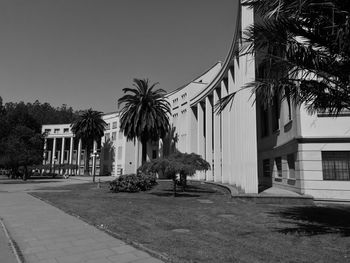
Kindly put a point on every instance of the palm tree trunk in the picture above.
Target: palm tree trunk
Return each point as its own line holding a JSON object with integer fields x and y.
{"x": 144, "y": 151}
{"x": 87, "y": 161}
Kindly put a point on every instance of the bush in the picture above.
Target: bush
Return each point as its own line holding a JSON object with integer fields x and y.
{"x": 133, "y": 183}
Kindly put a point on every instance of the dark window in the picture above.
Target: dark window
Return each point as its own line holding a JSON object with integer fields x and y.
{"x": 264, "y": 121}
{"x": 275, "y": 114}
{"x": 278, "y": 162}
{"x": 291, "y": 165}
{"x": 154, "y": 154}
{"x": 335, "y": 166}
{"x": 266, "y": 168}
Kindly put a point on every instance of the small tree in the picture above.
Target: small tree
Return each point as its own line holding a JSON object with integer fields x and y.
{"x": 182, "y": 164}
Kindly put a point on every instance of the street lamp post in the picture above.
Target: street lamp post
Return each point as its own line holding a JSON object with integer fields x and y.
{"x": 94, "y": 156}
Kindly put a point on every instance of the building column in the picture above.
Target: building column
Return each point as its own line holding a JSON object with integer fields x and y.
{"x": 71, "y": 145}
{"x": 53, "y": 153}
{"x": 79, "y": 156}
{"x": 225, "y": 138}
{"x": 217, "y": 139}
{"x": 192, "y": 127}
{"x": 209, "y": 136}
{"x": 200, "y": 137}
{"x": 243, "y": 118}
{"x": 62, "y": 150}
{"x": 236, "y": 116}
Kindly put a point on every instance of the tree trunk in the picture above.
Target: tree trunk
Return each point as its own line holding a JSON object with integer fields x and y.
{"x": 25, "y": 173}
{"x": 87, "y": 160}
{"x": 144, "y": 151}
{"x": 183, "y": 181}
{"x": 174, "y": 186}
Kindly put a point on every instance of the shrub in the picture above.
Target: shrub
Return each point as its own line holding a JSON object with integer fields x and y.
{"x": 133, "y": 183}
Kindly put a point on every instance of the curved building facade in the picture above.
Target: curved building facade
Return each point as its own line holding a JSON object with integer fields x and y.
{"x": 228, "y": 140}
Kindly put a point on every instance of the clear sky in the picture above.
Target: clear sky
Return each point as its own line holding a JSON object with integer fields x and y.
{"x": 84, "y": 52}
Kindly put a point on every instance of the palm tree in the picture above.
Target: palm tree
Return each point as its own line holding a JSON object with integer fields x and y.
{"x": 145, "y": 113}
{"x": 88, "y": 127}
{"x": 169, "y": 141}
{"x": 303, "y": 51}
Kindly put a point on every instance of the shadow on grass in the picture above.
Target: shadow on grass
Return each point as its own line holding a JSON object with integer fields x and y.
{"x": 178, "y": 194}
{"x": 196, "y": 189}
{"x": 28, "y": 182}
{"x": 312, "y": 220}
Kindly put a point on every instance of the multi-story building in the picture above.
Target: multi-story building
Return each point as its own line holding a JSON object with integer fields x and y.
{"x": 246, "y": 145}
{"x": 113, "y": 154}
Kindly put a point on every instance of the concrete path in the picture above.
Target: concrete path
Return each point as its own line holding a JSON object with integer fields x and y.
{"x": 6, "y": 253}
{"x": 47, "y": 234}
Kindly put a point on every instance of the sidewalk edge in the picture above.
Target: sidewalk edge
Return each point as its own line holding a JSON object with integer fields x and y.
{"x": 15, "y": 248}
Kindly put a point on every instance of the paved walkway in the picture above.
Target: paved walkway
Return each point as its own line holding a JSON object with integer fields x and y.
{"x": 47, "y": 234}
{"x": 6, "y": 253}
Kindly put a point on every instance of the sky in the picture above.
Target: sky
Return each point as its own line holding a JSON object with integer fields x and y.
{"x": 84, "y": 52}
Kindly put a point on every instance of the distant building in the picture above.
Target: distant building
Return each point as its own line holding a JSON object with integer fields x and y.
{"x": 115, "y": 155}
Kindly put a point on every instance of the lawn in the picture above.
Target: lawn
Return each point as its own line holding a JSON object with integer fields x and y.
{"x": 205, "y": 225}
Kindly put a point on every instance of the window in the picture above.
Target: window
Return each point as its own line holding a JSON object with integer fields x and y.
{"x": 291, "y": 166}
{"x": 264, "y": 122}
{"x": 335, "y": 166}
{"x": 65, "y": 130}
{"x": 56, "y": 131}
{"x": 278, "y": 162}
{"x": 107, "y": 137}
{"x": 108, "y": 126}
{"x": 114, "y": 125}
{"x": 275, "y": 114}
{"x": 325, "y": 113}
{"x": 154, "y": 154}
{"x": 47, "y": 131}
{"x": 114, "y": 136}
{"x": 266, "y": 168}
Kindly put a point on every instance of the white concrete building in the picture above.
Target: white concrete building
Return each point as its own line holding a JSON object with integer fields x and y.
{"x": 115, "y": 155}
{"x": 227, "y": 141}
{"x": 246, "y": 146}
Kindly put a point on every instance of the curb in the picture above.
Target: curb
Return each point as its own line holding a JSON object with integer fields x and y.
{"x": 267, "y": 199}
{"x": 111, "y": 233}
{"x": 14, "y": 247}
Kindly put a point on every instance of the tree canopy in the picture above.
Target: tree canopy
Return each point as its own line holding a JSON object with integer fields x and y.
{"x": 21, "y": 141}
{"x": 303, "y": 52}
{"x": 145, "y": 113}
{"x": 89, "y": 127}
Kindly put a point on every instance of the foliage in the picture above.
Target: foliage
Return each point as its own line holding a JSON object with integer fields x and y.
{"x": 169, "y": 141}
{"x": 21, "y": 141}
{"x": 182, "y": 164}
{"x": 303, "y": 53}
{"x": 23, "y": 147}
{"x": 144, "y": 115}
{"x": 133, "y": 183}
{"x": 89, "y": 127}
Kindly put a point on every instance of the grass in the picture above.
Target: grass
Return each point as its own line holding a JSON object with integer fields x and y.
{"x": 213, "y": 227}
